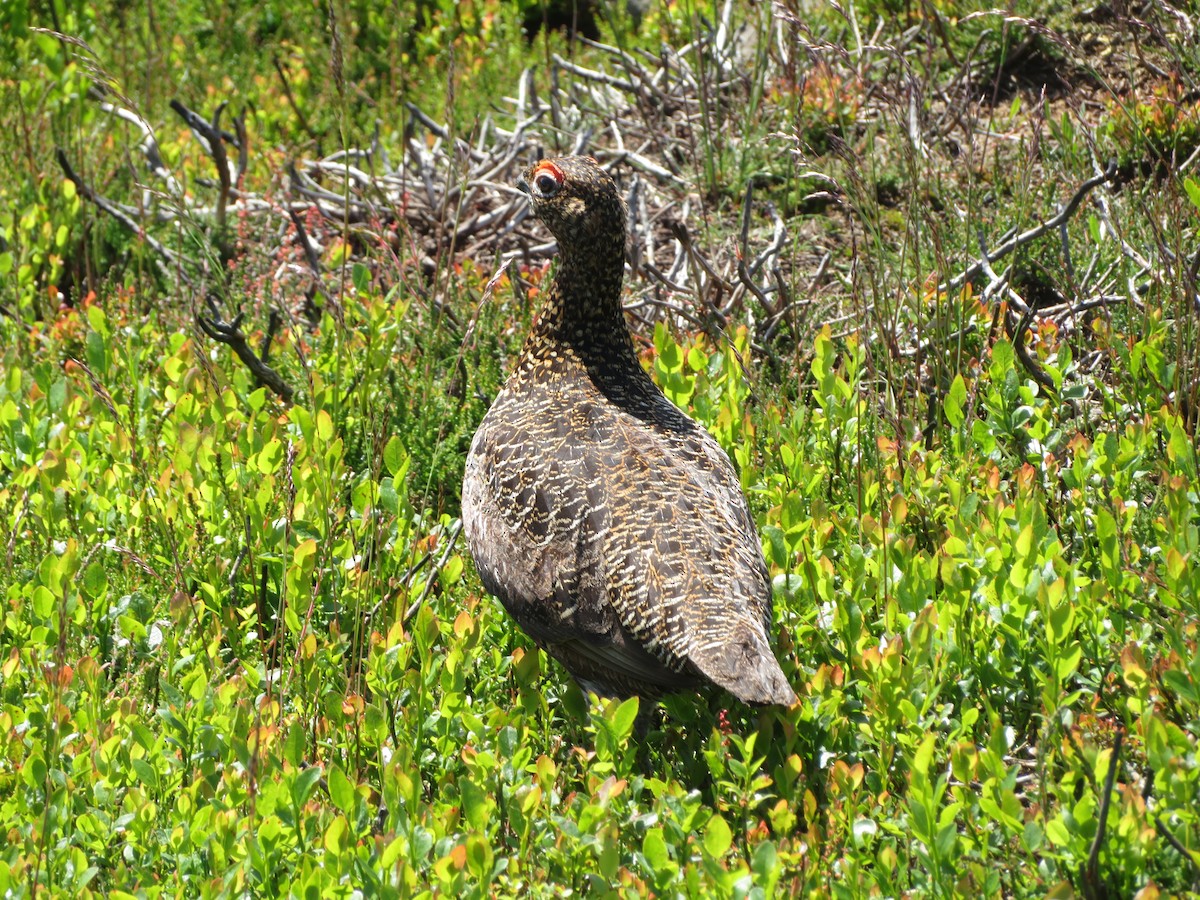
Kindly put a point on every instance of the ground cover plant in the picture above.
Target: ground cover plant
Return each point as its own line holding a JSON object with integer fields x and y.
{"x": 927, "y": 270}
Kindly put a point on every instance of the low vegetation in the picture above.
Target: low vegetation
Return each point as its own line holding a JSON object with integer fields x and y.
{"x": 927, "y": 270}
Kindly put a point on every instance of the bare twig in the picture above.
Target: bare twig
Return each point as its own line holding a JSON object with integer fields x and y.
{"x": 1190, "y": 855}
{"x": 230, "y": 334}
{"x": 1089, "y": 875}
{"x": 166, "y": 258}
{"x": 310, "y": 252}
{"x": 432, "y": 579}
{"x": 1026, "y": 237}
{"x": 287, "y": 93}
{"x": 214, "y": 140}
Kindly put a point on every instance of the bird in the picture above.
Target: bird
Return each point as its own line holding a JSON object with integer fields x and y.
{"x": 610, "y": 525}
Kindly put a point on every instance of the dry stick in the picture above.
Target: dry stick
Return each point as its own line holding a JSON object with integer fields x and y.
{"x": 1193, "y": 271}
{"x": 216, "y": 149}
{"x": 1000, "y": 282}
{"x": 1070, "y": 311}
{"x": 165, "y": 254}
{"x": 287, "y": 93}
{"x": 778, "y": 239}
{"x": 416, "y": 604}
{"x": 1183, "y": 851}
{"x": 274, "y": 321}
{"x": 1032, "y": 234}
{"x": 1089, "y": 874}
{"x": 639, "y": 162}
{"x": 747, "y": 209}
{"x": 148, "y": 144}
{"x": 631, "y": 66}
{"x": 212, "y": 135}
{"x": 1017, "y": 336}
{"x": 243, "y": 145}
{"x": 744, "y": 274}
{"x": 593, "y": 75}
{"x": 996, "y": 284}
{"x": 230, "y": 334}
{"x": 310, "y": 252}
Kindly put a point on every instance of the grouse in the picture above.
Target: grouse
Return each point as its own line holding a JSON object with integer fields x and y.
{"x": 611, "y": 526}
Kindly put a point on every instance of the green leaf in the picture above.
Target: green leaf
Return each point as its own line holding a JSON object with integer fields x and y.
{"x": 765, "y": 863}
{"x": 302, "y": 787}
{"x": 1003, "y": 358}
{"x": 1068, "y": 661}
{"x": 395, "y": 457}
{"x": 341, "y": 791}
{"x": 293, "y": 746}
{"x": 669, "y": 358}
{"x": 956, "y": 398}
{"x": 654, "y": 848}
{"x": 479, "y": 856}
{"x": 623, "y": 718}
{"x": 324, "y": 426}
{"x": 145, "y": 773}
{"x": 924, "y": 754}
{"x": 717, "y": 837}
{"x": 303, "y": 553}
{"x": 57, "y": 396}
{"x": 361, "y": 276}
{"x": 475, "y": 806}
{"x": 98, "y": 321}
{"x": 335, "y": 835}
{"x": 1060, "y": 622}
{"x": 389, "y": 500}
{"x": 95, "y": 580}
{"x": 392, "y": 852}
{"x": 776, "y": 545}
{"x": 1193, "y": 191}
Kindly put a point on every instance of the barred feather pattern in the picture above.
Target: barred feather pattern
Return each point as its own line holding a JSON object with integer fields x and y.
{"x": 610, "y": 525}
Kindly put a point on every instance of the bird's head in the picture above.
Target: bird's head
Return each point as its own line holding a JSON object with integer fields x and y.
{"x": 577, "y": 200}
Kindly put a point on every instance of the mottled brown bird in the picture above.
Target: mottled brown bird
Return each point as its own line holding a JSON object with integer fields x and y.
{"x": 611, "y": 526}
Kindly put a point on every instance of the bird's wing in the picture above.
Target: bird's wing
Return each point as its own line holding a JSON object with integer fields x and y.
{"x": 691, "y": 571}
{"x": 627, "y": 547}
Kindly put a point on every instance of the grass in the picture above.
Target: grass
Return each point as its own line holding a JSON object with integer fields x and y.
{"x": 243, "y": 650}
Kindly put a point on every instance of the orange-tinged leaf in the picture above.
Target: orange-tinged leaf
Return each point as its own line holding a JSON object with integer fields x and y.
{"x": 463, "y": 623}
{"x": 308, "y": 647}
{"x": 1133, "y": 667}
{"x": 1176, "y": 563}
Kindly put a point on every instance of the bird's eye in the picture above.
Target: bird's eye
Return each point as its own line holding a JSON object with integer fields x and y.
{"x": 548, "y": 180}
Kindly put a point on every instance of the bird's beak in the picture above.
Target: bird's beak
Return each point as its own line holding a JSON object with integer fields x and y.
{"x": 524, "y": 185}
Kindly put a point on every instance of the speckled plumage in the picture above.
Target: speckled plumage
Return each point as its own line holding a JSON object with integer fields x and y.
{"x": 610, "y": 525}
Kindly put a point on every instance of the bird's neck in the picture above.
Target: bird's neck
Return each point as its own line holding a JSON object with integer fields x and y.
{"x": 582, "y": 313}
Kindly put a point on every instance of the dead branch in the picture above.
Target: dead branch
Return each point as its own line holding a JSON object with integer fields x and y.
{"x": 166, "y": 259}
{"x": 1026, "y": 237}
{"x": 230, "y": 334}
{"x": 1016, "y": 334}
{"x": 310, "y": 252}
{"x": 1089, "y": 874}
{"x": 449, "y": 196}
{"x": 213, "y": 140}
{"x": 291, "y": 99}
{"x": 432, "y": 579}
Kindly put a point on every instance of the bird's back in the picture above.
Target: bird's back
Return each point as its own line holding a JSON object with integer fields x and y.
{"x": 615, "y": 531}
